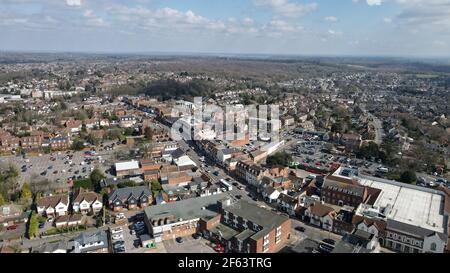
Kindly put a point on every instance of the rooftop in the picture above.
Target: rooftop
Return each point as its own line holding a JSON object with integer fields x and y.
{"x": 193, "y": 208}
{"x": 410, "y": 204}
{"x": 128, "y": 165}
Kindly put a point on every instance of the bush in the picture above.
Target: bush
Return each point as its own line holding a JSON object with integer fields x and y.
{"x": 84, "y": 183}
{"x": 408, "y": 176}
{"x": 126, "y": 184}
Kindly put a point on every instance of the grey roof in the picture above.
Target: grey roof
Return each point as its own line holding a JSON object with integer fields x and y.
{"x": 412, "y": 229}
{"x": 177, "y": 153}
{"x": 50, "y": 247}
{"x": 263, "y": 217}
{"x": 345, "y": 247}
{"x": 224, "y": 231}
{"x": 304, "y": 246}
{"x": 245, "y": 234}
{"x": 343, "y": 187}
{"x": 187, "y": 209}
{"x": 125, "y": 193}
{"x": 91, "y": 237}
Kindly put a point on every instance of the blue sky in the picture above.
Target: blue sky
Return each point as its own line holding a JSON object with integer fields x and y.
{"x": 303, "y": 27}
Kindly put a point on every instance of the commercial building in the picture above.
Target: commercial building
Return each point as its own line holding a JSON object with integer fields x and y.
{"x": 416, "y": 219}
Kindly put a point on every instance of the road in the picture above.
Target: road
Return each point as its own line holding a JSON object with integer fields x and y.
{"x": 378, "y": 125}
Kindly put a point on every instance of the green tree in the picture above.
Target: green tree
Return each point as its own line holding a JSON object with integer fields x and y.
{"x": 156, "y": 187}
{"x": 33, "y": 225}
{"x": 25, "y": 195}
{"x": 408, "y": 176}
{"x": 2, "y": 200}
{"x": 280, "y": 158}
{"x": 96, "y": 177}
{"x": 78, "y": 145}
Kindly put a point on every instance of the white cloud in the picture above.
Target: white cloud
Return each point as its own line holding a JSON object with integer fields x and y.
{"x": 374, "y": 2}
{"x": 331, "y": 19}
{"x": 286, "y": 8}
{"x": 73, "y": 3}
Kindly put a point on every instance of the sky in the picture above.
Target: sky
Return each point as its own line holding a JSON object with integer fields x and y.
{"x": 291, "y": 27}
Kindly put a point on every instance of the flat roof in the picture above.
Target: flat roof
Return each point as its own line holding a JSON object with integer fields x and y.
{"x": 224, "y": 231}
{"x": 128, "y": 165}
{"x": 410, "y": 204}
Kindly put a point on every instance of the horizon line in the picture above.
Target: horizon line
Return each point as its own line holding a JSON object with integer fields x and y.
{"x": 222, "y": 54}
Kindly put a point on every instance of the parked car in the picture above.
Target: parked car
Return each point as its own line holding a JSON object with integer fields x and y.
{"x": 117, "y": 237}
{"x": 13, "y": 227}
{"x": 301, "y": 229}
{"x": 329, "y": 241}
{"x": 179, "y": 240}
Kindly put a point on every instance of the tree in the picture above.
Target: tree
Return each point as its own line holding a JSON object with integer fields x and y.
{"x": 92, "y": 139}
{"x": 33, "y": 225}
{"x": 2, "y": 200}
{"x": 281, "y": 158}
{"x": 25, "y": 195}
{"x": 369, "y": 150}
{"x": 148, "y": 132}
{"x": 96, "y": 177}
{"x": 78, "y": 145}
{"x": 408, "y": 176}
{"x": 156, "y": 187}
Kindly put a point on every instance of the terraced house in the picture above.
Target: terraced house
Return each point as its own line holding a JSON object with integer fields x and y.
{"x": 130, "y": 198}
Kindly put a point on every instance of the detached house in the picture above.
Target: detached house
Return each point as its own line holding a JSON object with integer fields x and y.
{"x": 53, "y": 206}
{"x": 87, "y": 201}
{"x": 130, "y": 198}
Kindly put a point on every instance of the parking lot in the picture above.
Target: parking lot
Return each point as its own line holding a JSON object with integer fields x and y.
{"x": 189, "y": 245}
{"x": 58, "y": 166}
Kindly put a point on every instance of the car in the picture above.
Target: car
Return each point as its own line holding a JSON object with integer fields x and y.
{"x": 235, "y": 184}
{"x": 324, "y": 248}
{"x": 241, "y": 188}
{"x": 116, "y": 230}
{"x": 179, "y": 240}
{"x": 117, "y": 237}
{"x": 41, "y": 225}
{"x": 13, "y": 227}
{"x": 55, "y": 172}
{"x": 50, "y": 167}
{"x": 329, "y": 241}
{"x": 255, "y": 199}
{"x": 301, "y": 229}
{"x": 197, "y": 235}
{"x": 238, "y": 196}
{"x": 133, "y": 232}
